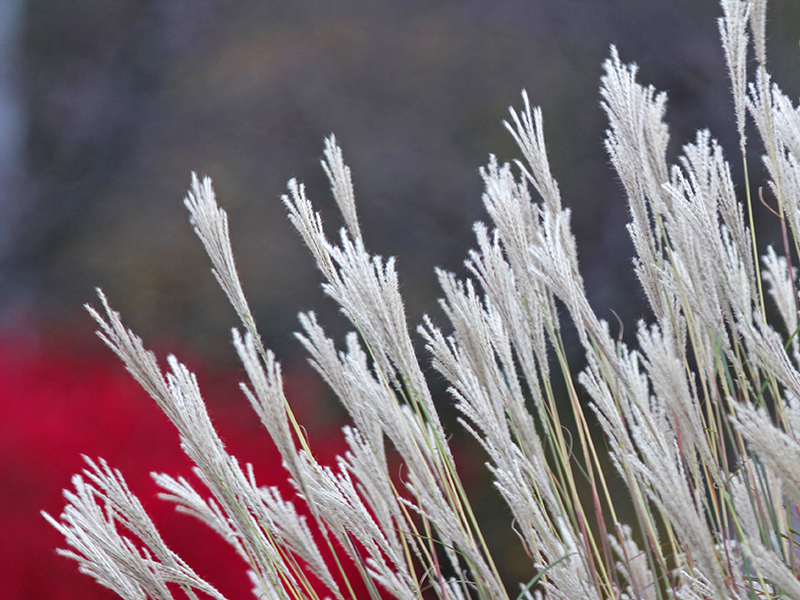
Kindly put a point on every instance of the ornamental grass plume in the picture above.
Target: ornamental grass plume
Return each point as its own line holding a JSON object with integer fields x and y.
{"x": 700, "y": 420}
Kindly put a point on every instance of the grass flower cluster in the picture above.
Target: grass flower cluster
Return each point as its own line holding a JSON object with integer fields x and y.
{"x": 700, "y": 420}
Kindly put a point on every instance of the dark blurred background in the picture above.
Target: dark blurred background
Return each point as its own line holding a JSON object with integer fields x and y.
{"x": 106, "y": 108}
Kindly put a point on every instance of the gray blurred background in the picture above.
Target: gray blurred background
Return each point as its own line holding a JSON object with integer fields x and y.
{"x": 106, "y": 108}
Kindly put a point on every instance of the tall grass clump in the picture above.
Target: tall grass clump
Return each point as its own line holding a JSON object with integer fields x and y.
{"x": 700, "y": 420}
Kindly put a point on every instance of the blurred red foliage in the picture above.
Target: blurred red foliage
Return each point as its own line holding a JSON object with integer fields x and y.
{"x": 58, "y": 402}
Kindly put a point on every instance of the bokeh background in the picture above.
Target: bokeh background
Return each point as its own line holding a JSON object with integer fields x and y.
{"x": 107, "y": 107}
